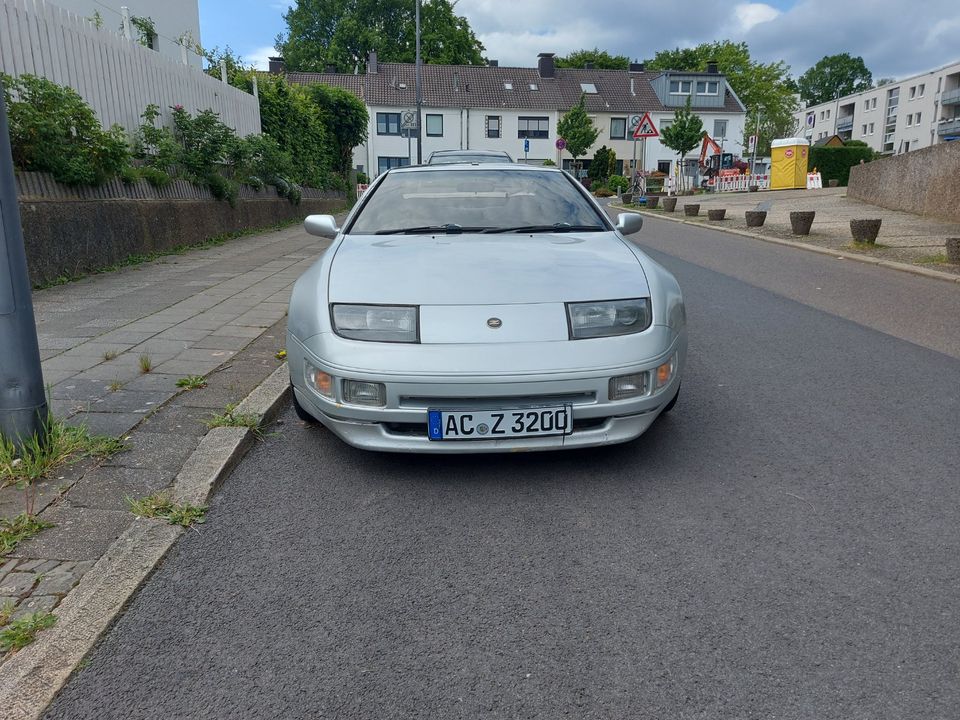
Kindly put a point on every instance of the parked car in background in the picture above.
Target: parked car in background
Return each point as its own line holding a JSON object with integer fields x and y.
{"x": 445, "y": 157}
{"x": 483, "y": 308}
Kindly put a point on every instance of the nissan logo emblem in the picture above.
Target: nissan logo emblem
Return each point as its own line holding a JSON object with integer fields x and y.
{"x": 494, "y": 323}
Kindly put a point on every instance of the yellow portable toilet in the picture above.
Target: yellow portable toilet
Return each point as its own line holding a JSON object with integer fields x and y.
{"x": 789, "y": 158}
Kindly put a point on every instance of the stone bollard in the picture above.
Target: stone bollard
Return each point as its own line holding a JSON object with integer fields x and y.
{"x": 801, "y": 221}
{"x": 691, "y": 209}
{"x": 653, "y": 201}
{"x": 865, "y": 231}
{"x": 953, "y": 250}
{"x": 669, "y": 204}
{"x": 755, "y": 218}
{"x": 833, "y": 182}
{"x": 716, "y": 213}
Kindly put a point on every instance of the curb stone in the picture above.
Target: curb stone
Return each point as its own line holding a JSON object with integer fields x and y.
{"x": 839, "y": 254}
{"x": 30, "y": 679}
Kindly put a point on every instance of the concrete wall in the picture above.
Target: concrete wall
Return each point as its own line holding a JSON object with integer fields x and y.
{"x": 67, "y": 236}
{"x": 926, "y": 182}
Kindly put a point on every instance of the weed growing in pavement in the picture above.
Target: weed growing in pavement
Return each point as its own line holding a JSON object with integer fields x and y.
{"x": 109, "y": 355}
{"x": 20, "y": 633}
{"x": 162, "y": 506}
{"x": 281, "y": 355}
{"x": 146, "y": 364}
{"x": 192, "y": 382}
{"x": 866, "y": 246}
{"x": 62, "y": 445}
{"x": 230, "y": 418}
{"x": 6, "y": 610}
{"x": 115, "y": 385}
{"x": 14, "y": 531}
{"x": 940, "y": 259}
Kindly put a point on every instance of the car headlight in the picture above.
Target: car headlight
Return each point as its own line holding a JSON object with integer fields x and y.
{"x": 609, "y": 317}
{"x": 377, "y": 323}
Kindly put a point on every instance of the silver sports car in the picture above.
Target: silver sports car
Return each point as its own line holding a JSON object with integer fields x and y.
{"x": 483, "y": 308}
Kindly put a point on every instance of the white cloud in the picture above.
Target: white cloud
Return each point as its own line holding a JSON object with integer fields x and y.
{"x": 750, "y": 15}
{"x": 259, "y": 57}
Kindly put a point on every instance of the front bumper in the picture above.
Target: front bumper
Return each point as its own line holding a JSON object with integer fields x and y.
{"x": 401, "y": 426}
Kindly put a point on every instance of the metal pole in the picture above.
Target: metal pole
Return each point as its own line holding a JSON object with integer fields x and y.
{"x": 419, "y": 93}
{"x": 756, "y": 144}
{"x": 23, "y": 405}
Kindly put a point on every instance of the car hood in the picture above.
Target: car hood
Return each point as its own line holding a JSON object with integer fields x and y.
{"x": 472, "y": 269}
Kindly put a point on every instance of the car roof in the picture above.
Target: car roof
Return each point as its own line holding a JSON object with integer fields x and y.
{"x": 469, "y": 167}
{"x": 498, "y": 153}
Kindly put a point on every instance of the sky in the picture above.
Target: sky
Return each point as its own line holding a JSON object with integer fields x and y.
{"x": 895, "y": 38}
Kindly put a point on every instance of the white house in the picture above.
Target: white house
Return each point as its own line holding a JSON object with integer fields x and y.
{"x": 914, "y": 113}
{"x": 498, "y": 108}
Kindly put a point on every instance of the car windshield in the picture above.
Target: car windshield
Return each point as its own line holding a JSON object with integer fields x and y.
{"x": 467, "y": 158}
{"x": 475, "y": 200}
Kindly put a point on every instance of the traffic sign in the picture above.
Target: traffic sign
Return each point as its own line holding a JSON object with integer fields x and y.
{"x": 409, "y": 120}
{"x": 561, "y": 143}
{"x": 752, "y": 145}
{"x": 526, "y": 145}
{"x": 645, "y": 128}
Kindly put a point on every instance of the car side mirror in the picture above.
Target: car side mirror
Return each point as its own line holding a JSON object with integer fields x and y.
{"x": 629, "y": 223}
{"x": 324, "y": 226}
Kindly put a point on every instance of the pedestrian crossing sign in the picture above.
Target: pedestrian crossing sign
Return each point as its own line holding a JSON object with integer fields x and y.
{"x": 645, "y": 128}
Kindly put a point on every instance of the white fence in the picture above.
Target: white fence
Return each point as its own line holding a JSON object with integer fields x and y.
{"x": 117, "y": 77}
{"x": 740, "y": 183}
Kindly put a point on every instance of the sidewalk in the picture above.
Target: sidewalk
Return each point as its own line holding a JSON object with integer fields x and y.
{"x": 218, "y": 312}
{"x": 903, "y": 237}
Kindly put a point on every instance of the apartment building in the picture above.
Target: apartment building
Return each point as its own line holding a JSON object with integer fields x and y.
{"x": 499, "y": 108}
{"x": 917, "y": 112}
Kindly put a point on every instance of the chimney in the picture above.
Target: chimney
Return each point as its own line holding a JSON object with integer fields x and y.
{"x": 372, "y": 63}
{"x": 636, "y": 67}
{"x": 545, "y": 66}
{"x": 330, "y": 69}
{"x": 588, "y": 66}
{"x": 277, "y": 66}
{"x": 493, "y": 63}
{"x": 712, "y": 67}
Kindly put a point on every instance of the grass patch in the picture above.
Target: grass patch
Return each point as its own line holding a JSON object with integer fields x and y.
{"x": 6, "y": 610}
{"x": 162, "y": 506}
{"x": 139, "y": 259}
{"x": 865, "y": 247}
{"x": 14, "y": 531}
{"x": 146, "y": 364}
{"x": 20, "y": 633}
{"x": 109, "y": 355}
{"x": 115, "y": 385}
{"x": 230, "y": 418}
{"x": 192, "y": 382}
{"x": 940, "y": 259}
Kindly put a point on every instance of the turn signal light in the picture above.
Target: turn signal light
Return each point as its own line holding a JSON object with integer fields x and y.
{"x": 665, "y": 372}
{"x": 319, "y": 381}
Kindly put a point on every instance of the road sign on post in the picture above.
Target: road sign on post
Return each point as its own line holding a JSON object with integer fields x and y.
{"x": 23, "y": 404}
{"x": 645, "y": 128}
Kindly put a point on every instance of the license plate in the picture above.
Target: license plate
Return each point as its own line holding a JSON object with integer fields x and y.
{"x": 493, "y": 424}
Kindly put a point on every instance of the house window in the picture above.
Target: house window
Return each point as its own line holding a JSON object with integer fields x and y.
{"x": 508, "y": 86}
{"x": 664, "y": 124}
{"x": 388, "y": 123}
{"x": 866, "y": 105}
{"x": 493, "y": 126}
{"x": 864, "y": 131}
{"x": 618, "y": 128}
{"x": 663, "y": 166}
{"x": 708, "y": 87}
{"x": 828, "y": 113}
{"x": 821, "y": 114}
{"x": 913, "y": 92}
{"x": 680, "y": 87}
{"x": 534, "y": 86}
{"x": 916, "y": 119}
{"x": 533, "y": 127}
{"x": 588, "y": 88}
{"x": 719, "y": 128}
{"x": 909, "y": 119}
{"x": 920, "y": 89}
{"x": 385, "y": 163}
{"x": 434, "y": 125}
{"x": 871, "y": 128}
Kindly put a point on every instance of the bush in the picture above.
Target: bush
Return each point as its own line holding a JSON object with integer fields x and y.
{"x": 362, "y": 179}
{"x": 618, "y": 182}
{"x": 549, "y": 163}
{"x": 603, "y": 159}
{"x": 155, "y": 144}
{"x": 53, "y": 130}
{"x": 155, "y": 176}
{"x": 603, "y": 191}
{"x": 835, "y": 162}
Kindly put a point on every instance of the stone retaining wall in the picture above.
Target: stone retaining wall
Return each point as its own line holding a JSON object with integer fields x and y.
{"x": 66, "y": 235}
{"x": 925, "y": 182}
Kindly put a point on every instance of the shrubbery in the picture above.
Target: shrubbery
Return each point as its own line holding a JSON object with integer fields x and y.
{"x": 618, "y": 182}
{"x": 835, "y": 162}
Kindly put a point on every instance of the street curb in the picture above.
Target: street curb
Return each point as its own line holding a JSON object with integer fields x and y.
{"x": 839, "y": 254}
{"x": 31, "y": 679}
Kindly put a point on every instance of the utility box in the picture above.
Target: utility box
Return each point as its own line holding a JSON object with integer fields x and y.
{"x": 789, "y": 158}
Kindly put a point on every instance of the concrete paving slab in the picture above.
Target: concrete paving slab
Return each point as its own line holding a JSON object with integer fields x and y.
{"x": 153, "y": 451}
{"x": 109, "y": 424}
{"x": 78, "y": 534}
{"x": 179, "y": 420}
{"x": 106, "y": 488}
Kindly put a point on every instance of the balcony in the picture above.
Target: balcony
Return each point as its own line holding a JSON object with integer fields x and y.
{"x": 950, "y": 97}
{"x": 844, "y": 123}
{"x": 949, "y": 127}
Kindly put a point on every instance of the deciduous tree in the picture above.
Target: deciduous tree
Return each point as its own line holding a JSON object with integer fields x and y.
{"x": 601, "y": 59}
{"x": 834, "y": 76}
{"x": 577, "y": 130}
{"x": 683, "y": 134}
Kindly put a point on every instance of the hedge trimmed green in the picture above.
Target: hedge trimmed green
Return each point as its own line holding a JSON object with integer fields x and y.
{"x": 834, "y": 163}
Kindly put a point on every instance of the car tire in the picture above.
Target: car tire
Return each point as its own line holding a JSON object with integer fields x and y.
{"x": 669, "y": 406}
{"x": 301, "y": 413}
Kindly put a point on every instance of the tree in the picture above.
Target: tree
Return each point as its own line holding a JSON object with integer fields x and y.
{"x": 321, "y": 33}
{"x": 601, "y": 59}
{"x": 600, "y": 166}
{"x": 576, "y": 128}
{"x": 346, "y": 117}
{"x": 885, "y": 81}
{"x": 766, "y": 89}
{"x": 834, "y": 76}
{"x": 684, "y": 134}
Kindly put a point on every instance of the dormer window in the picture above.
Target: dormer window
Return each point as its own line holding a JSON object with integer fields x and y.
{"x": 588, "y": 88}
{"x": 708, "y": 87}
{"x": 508, "y": 86}
{"x": 680, "y": 87}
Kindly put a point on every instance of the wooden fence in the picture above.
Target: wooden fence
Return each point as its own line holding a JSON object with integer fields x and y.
{"x": 117, "y": 77}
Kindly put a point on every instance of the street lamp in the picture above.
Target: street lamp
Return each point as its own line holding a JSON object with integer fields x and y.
{"x": 419, "y": 84}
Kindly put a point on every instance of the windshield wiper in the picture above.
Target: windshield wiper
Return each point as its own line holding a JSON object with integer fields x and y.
{"x": 555, "y": 228}
{"x": 449, "y": 229}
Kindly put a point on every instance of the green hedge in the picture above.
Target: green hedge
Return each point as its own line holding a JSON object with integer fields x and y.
{"x": 835, "y": 162}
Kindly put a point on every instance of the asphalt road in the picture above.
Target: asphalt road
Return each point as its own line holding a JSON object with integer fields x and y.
{"x": 783, "y": 545}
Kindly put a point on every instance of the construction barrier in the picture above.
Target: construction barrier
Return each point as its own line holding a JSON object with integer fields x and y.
{"x": 814, "y": 181}
{"x": 361, "y": 189}
{"x": 739, "y": 183}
